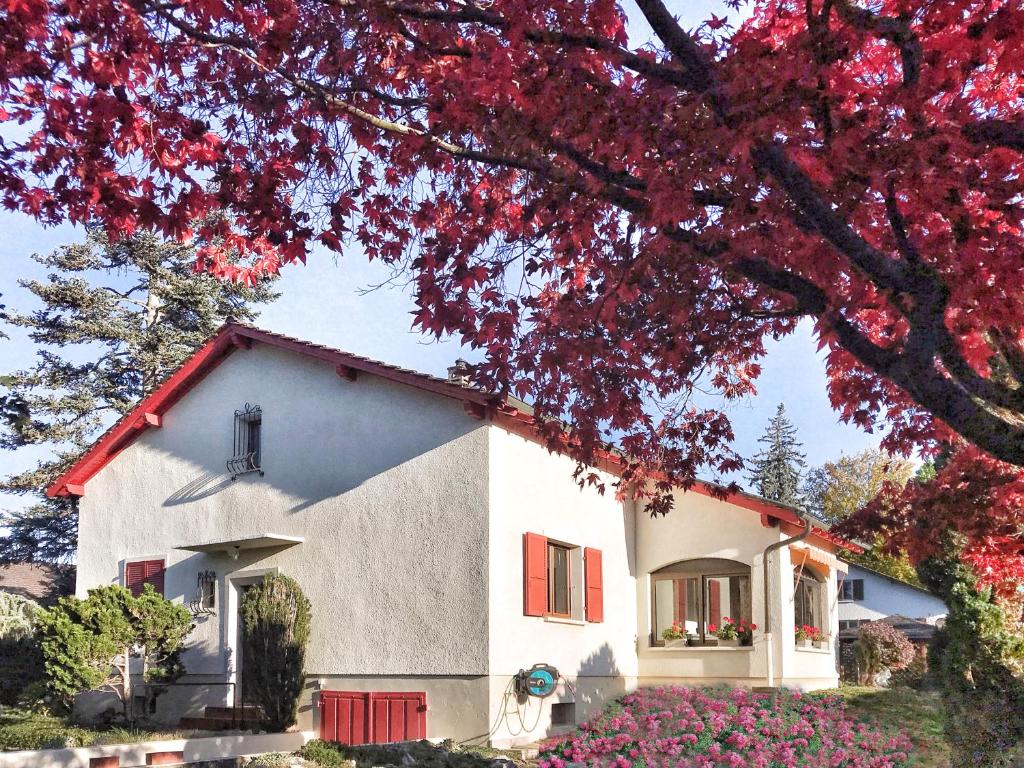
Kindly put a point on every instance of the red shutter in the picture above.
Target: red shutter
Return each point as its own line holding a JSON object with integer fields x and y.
{"x": 535, "y": 574}
{"x": 141, "y": 572}
{"x": 594, "y": 579}
{"x": 134, "y": 576}
{"x": 155, "y": 575}
{"x": 715, "y": 603}
{"x": 679, "y": 593}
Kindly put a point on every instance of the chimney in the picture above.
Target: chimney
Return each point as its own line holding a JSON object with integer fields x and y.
{"x": 458, "y": 374}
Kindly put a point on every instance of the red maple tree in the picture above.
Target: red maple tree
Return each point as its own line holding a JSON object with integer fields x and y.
{"x": 616, "y": 226}
{"x": 974, "y": 497}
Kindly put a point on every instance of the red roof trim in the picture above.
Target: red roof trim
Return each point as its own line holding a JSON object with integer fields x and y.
{"x": 231, "y": 337}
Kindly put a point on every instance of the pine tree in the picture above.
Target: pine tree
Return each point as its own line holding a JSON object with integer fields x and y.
{"x": 778, "y": 468}
{"x": 116, "y": 319}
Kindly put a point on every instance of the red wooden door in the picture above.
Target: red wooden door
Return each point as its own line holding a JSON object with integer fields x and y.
{"x": 359, "y": 717}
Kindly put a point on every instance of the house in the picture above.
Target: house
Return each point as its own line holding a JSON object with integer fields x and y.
{"x": 44, "y": 583}
{"x": 445, "y": 551}
{"x": 867, "y": 595}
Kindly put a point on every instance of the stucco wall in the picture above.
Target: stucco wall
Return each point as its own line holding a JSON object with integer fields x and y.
{"x": 534, "y": 491}
{"x": 387, "y": 484}
{"x": 885, "y": 597}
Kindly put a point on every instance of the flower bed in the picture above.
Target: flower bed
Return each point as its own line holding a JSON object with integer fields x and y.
{"x": 701, "y": 728}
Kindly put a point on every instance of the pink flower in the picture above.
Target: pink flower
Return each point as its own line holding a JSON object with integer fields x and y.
{"x": 714, "y": 727}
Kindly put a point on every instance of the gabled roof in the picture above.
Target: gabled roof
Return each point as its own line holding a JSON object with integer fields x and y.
{"x": 509, "y": 413}
{"x": 229, "y": 338}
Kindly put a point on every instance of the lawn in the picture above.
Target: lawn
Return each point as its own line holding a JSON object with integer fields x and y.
{"x": 917, "y": 714}
{"x": 23, "y": 729}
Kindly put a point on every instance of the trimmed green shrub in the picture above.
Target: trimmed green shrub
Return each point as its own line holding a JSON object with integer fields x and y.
{"x": 275, "y": 621}
{"x": 89, "y": 644}
{"x": 31, "y": 730}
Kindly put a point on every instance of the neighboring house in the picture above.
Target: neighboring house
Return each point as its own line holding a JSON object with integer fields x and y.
{"x": 43, "y": 582}
{"x": 867, "y": 595}
{"x": 442, "y": 546}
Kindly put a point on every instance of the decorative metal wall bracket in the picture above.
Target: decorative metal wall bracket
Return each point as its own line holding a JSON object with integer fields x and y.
{"x": 205, "y": 601}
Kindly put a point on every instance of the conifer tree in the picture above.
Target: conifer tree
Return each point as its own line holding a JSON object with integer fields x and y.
{"x": 777, "y": 470}
{"x": 115, "y": 320}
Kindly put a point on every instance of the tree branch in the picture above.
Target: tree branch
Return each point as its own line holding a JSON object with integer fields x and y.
{"x": 997, "y": 132}
{"x": 881, "y": 269}
{"x": 640, "y": 64}
{"x": 897, "y": 31}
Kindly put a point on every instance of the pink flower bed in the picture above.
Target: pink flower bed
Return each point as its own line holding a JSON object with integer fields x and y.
{"x": 702, "y": 727}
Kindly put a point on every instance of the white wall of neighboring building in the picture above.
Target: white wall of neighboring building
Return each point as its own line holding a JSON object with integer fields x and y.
{"x": 884, "y": 597}
{"x": 533, "y": 491}
{"x": 388, "y": 486}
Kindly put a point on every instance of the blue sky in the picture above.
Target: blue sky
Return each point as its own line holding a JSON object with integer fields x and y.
{"x": 322, "y": 302}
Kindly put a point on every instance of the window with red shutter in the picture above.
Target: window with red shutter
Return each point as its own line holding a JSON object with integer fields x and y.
{"x": 138, "y": 573}
{"x": 594, "y": 579}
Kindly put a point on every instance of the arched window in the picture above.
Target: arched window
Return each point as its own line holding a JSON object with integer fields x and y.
{"x": 697, "y": 594}
{"x": 809, "y": 598}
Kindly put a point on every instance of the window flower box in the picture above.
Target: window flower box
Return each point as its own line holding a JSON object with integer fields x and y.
{"x": 809, "y": 637}
{"x": 733, "y": 634}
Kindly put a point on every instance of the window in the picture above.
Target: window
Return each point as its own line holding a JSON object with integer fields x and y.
{"x": 247, "y": 453}
{"x": 698, "y": 594}
{"x": 562, "y": 580}
{"x": 559, "y": 580}
{"x": 808, "y": 598}
{"x": 853, "y": 623}
{"x": 138, "y": 573}
{"x": 851, "y": 589}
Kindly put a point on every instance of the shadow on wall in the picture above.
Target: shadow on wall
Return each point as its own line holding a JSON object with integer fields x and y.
{"x": 203, "y": 486}
{"x": 598, "y": 682}
{"x": 297, "y": 456}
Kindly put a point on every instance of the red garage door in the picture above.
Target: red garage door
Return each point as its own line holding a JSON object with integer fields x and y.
{"x": 360, "y": 717}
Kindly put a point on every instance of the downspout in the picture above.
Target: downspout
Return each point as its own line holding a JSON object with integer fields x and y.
{"x": 770, "y": 549}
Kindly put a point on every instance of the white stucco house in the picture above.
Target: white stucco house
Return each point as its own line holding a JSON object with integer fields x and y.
{"x": 442, "y": 546}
